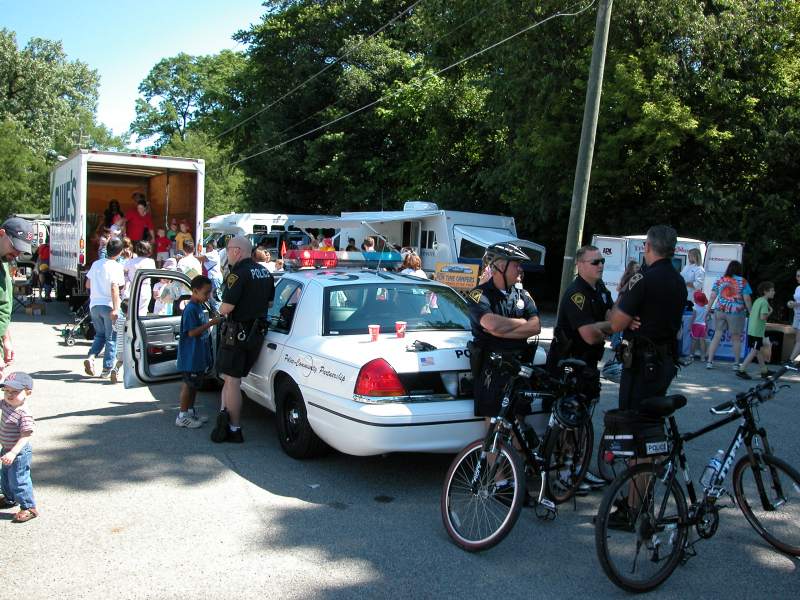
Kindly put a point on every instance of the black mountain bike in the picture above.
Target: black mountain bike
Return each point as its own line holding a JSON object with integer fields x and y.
{"x": 643, "y": 526}
{"x": 485, "y": 487}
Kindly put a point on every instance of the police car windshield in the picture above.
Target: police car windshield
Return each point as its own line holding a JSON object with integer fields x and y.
{"x": 350, "y": 310}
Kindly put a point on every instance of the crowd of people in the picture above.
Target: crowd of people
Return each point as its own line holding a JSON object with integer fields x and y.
{"x": 644, "y": 322}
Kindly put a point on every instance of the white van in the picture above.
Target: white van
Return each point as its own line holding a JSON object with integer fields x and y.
{"x": 277, "y": 231}
{"x": 619, "y": 250}
{"x": 437, "y": 236}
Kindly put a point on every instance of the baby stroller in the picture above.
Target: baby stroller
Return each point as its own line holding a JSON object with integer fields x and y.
{"x": 81, "y": 326}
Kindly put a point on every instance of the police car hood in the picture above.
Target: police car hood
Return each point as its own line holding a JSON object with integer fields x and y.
{"x": 357, "y": 350}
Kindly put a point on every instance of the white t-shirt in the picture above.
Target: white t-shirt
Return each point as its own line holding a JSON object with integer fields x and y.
{"x": 415, "y": 273}
{"x": 700, "y": 313}
{"x": 797, "y": 303}
{"x": 102, "y": 274}
{"x": 190, "y": 266}
{"x": 694, "y": 274}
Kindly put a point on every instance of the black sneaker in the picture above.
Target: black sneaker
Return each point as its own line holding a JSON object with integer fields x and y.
{"x": 620, "y": 519}
{"x": 6, "y": 503}
{"x": 235, "y": 437}
{"x": 767, "y": 373}
{"x": 743, "y": 374}
{"x": 220, "y": 432}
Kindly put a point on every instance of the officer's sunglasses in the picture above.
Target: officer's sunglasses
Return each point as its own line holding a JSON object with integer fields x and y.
{"x": 596, "y": 261}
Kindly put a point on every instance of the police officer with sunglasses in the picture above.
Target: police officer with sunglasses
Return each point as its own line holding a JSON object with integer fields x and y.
{"x": 583, "y": 312}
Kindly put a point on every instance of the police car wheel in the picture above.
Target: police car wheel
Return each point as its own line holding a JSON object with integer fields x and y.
{"x": 295, "y": 434}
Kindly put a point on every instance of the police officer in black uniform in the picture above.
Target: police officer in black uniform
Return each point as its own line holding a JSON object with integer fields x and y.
{"x": 650, "y": 312}
{"x": 503, "y": 316}
{"x": 583, "y": 314}
{"x": 248, "y": 290}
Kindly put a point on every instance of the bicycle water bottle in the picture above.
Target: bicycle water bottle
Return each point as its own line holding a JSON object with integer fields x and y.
{"x": 711, "y": 470}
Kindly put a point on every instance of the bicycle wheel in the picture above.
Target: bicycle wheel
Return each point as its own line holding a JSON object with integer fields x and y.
{"x": 480, "y": 516}
{"x": 641, "y": 542}
{"x": 768, "y": 492}
{"x": 567, "y": 458}
{"x": 608, "y": 470}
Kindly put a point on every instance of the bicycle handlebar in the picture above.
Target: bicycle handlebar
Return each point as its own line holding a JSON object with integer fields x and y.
{"x": 754, "y": 392}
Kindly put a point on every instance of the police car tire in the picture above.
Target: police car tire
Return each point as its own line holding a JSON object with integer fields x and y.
{"x": 298, "y": 440}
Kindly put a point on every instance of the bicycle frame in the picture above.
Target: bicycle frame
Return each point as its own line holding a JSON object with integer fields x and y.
{"x": 745, "y": 434}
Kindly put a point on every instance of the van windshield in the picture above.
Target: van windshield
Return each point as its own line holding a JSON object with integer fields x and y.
{"x": 352, "y": 309}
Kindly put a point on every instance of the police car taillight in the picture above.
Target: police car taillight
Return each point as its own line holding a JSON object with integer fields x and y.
{"x": 377, "y": 378}
{"x": 310, "y": 258}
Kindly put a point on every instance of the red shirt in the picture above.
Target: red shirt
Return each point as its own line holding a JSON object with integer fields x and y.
{"x": 162, "y": 244}
{"x": 44, "y": 253}
{"x": 136, "y": 224}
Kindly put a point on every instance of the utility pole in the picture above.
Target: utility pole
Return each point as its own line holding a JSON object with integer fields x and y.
{"x": 583, "y": 169}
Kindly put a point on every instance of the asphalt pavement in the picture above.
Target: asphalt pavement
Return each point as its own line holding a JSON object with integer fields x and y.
{"x": 133, "y": 507}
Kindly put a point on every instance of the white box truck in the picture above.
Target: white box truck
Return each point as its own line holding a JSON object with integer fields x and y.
{"x": 81, "y": 187}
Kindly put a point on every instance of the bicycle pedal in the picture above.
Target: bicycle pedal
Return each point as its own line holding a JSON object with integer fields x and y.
{"x": 546, "y": 510}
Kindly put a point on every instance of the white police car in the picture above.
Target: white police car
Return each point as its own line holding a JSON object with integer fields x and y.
{"x": 330, "y": 384}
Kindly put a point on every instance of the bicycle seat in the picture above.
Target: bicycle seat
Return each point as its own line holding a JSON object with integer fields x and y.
{"x": 661, "y": 406}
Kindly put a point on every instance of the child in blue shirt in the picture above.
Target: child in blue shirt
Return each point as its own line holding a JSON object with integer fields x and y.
{"x": 194, "y": 351}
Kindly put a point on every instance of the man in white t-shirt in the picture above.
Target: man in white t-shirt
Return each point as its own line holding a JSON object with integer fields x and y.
{"x": 105, "y": 279}
{"x": 189, "y": 265}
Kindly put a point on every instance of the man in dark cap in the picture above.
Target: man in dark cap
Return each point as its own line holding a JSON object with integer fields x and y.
{"x": 16, "y": 235}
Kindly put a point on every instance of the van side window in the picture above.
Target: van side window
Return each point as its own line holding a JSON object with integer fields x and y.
{"x": 281, "y": 313}
{"x": 428, "y": 238}
{"x": 470, "y": 249}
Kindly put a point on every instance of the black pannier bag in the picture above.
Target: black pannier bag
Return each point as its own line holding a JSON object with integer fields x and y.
{"x": 633, "y": 435}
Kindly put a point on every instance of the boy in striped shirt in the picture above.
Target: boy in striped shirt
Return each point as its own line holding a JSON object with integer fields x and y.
{"x": 16, "y": 428}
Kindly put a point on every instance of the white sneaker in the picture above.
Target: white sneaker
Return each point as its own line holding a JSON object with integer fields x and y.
{"x": 189, "y": 422}
{"x": 196, "y": 415}
{"x": 88, "y": 366}
{"x": 737, "y": 366}
{"x": 709, "y": 365}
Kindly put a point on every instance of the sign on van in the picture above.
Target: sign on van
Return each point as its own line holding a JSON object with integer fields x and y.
{"x": 457, "y": 275}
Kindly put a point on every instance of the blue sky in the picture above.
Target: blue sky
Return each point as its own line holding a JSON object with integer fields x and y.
{"x": 123, "y": 39}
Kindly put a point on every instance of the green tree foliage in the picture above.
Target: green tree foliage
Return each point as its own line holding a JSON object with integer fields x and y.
{"x": 184, "y": 90}
{"x": 51, "y": 97}
{"x": 47, "y": 107}
{"x": 23, "y": 173}
{"x": 698, "y": 124}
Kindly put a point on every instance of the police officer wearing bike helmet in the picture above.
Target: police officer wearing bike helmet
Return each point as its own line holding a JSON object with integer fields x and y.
{"x": 503, "y": 316}
{"x": 583, "y": 313}
{"x": 248, "y": 290}
{"x": 651, "y": 312}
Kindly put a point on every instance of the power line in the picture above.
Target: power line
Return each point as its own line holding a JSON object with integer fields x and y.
{"x": 321, "y": 71}
{"x": 332, "y": 104}
{"x": 423, "y": 80}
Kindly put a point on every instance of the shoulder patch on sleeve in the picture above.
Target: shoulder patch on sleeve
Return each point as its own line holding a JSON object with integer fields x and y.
{"x": 231, "y": 280}
{"x": 578, "y": 300}
{"x": 476, "y": 294}
{"x": 634, "y": 280}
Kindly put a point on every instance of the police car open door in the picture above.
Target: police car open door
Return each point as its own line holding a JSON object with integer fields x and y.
{"x": 156, "y": 301}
